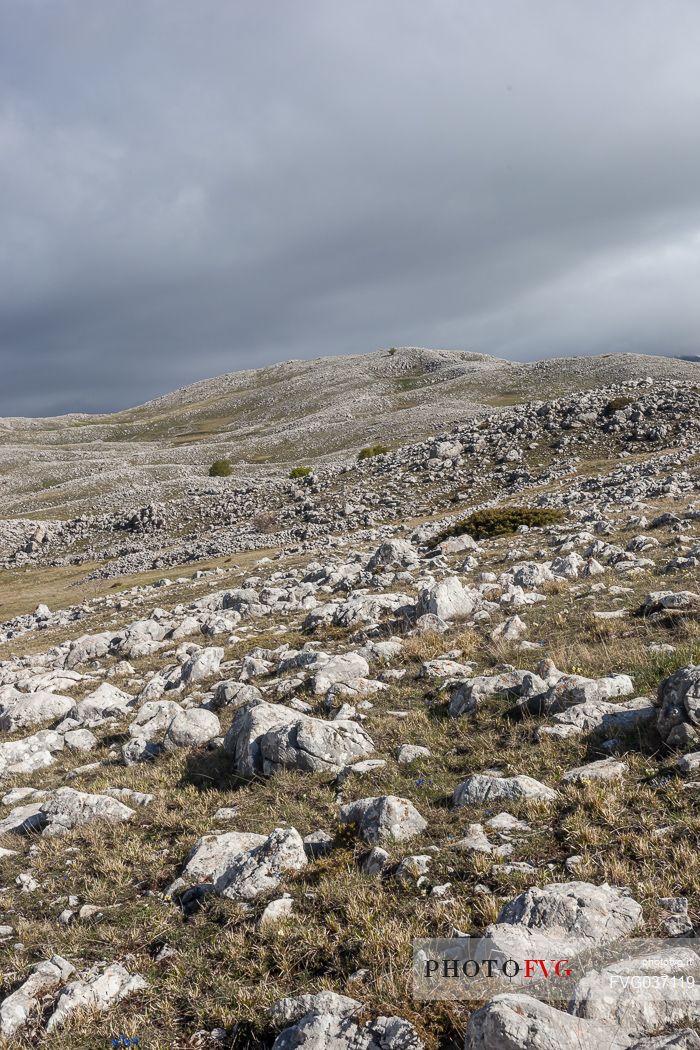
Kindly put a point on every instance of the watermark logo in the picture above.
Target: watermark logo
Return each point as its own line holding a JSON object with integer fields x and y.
{"x": 473, "y": 968}
{"x": 510, "y": 969}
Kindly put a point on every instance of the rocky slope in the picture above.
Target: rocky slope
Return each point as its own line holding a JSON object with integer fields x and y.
{"x": 449, "y": 690}
{"x": 269, "y": 420}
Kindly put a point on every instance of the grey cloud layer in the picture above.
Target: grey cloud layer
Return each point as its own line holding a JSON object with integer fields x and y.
{"x": 188, "y": 189}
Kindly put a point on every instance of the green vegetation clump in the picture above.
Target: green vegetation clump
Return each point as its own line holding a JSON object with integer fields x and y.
{"x": 373, "y": 450}
{"x": 500, "y": 521}
{"x": 220, "y": 468}
{"x": 616, "y": 405}
{"x": 300, "y": 472}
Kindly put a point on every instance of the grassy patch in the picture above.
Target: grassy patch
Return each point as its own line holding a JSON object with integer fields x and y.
{"x": 221, "y": 468}
{"x": 371, "y": 451}
{"x": 500, "y": 521}
{"x": 617, "y": 404}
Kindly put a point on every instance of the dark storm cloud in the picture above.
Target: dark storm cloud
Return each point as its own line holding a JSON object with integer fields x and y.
{"x": 187, "y": 189}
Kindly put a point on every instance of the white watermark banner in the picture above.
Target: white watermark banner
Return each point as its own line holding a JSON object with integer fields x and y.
{"x": 474, "y": 968}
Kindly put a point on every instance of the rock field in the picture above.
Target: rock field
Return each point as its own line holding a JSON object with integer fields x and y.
{"x": 289, "y": 725}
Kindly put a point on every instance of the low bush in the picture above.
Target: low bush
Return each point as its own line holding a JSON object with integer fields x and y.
{"x": 300, "y": 472}
{"x": 373, "y": 450}
{"x": 500, "y": 521}
{"x": 220, "y": 468}
{"x": 616, "y": 405}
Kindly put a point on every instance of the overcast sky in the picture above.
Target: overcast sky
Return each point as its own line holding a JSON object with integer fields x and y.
{"x": 189, "y": 187}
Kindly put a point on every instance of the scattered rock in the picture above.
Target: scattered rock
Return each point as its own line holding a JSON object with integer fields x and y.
{"x": 267, "y": 738}
{"x": 480, "y": 788}
{"x": 384, "y": 818}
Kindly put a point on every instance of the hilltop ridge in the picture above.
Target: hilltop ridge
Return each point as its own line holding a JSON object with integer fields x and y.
{"x": 269, "y": 419}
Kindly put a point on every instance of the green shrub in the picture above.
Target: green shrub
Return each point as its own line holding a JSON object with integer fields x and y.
{"x": 616, "y": 405}
{"x": 373, "y": 450}
{"x": 300, "y": 472}
{"x": 500, "y": 521}
{"x": 220, "y": 468}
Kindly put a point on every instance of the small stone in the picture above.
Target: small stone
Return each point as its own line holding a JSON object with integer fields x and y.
{"x": 80, "y": 740}
{"x": 27, "y": 882}
{"x": 407, "y": 753}
{"x": 604, "y": 769}
{"x": 384, "y": 817}
{"x": 375, "y": 862}
{"x": 226, "y": 813}
{"x": 412, "y": 868}
{"x": 277, "y": 910}
{"x": 318, "y": 844}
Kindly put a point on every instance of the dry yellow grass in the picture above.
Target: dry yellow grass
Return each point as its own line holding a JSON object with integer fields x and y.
{"x": 226, "y": 971}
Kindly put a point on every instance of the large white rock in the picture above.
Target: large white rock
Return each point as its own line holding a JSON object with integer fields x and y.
{"x": 482, "y": 787}
{"x": 519, "y": 1022}
{"x": 192, "y": 728}
{"x": 212, "y": 855}
{"x": 203, "y": 664}
{"x": 24, "y": 1003}
{"x": 343, "y": 669}
{"x": 141, "y": 638}
{"x": 447, "y": 599}
{"x": 105, "y": 702}
{"x": 560, "y": 920}
{"x": 262, "y": 868}
{"x": 511, "y": 630}
{"x": 602, "y": 718}
{"x": 679, "y": 703}
{"x": 153, "y": 718}
{"x": 367, "y": 608}
{"x": 67, "y": 808}
{"x": 327, "y": 1022}
{"x": 97, "y": 991}
{"x": 407, "y": 753}
{"x": 234, "y": 694}
{"x": 88, "y": 647}
{"x": 529, "y": 574}
{"x": 567, "y": 567}
{"x": 287, "y": 1011}
{"x": 80, "y": 740}
{"x": 458, "y": 544}
{"x": 55, "y": 681}
{"x": 24, "y": 819}
{"x": 571, "y": 689}
{"x": 602, "y": 769}
{"x": 619, "y": 993}
{"x": 266, "y": 738}
{"x": 29, "y": 754}
{"x": 277, "y": 910}
{"x": 399, "y": 553}
{"x": 383, "y": 818}
{"x": 20, "y": 710}
{"x": 468, "y": 694}
{"x": 664, "y": 601}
